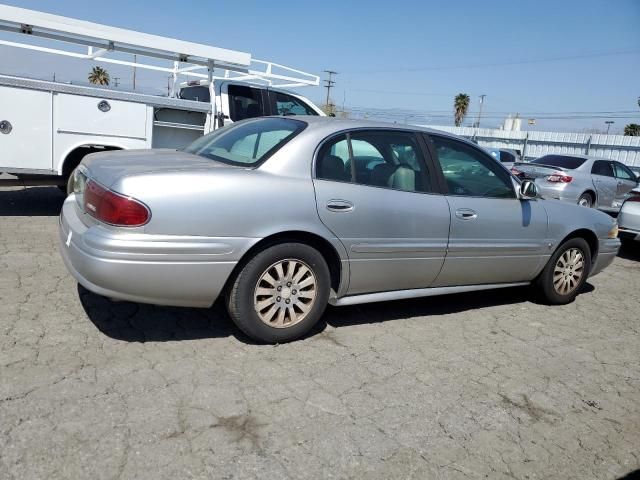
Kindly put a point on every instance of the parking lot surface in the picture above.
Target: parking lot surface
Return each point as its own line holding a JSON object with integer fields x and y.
{"x": 483, "y": 385}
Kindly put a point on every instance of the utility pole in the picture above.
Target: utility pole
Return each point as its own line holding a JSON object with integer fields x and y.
{"x": 54, "y": 76}
{"x": 609, "y": 123}
{"x": 480, "y": 111}
{"x": 329, "y": 83}
{"x": 116, "y": 81}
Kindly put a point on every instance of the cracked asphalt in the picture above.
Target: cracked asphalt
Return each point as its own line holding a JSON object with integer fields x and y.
{"x": 483, "y": 385}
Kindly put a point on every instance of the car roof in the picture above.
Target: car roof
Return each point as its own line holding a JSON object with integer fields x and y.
{"x": 338, "y": 124}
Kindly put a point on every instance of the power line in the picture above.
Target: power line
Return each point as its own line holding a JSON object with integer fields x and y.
{"x": 501, "y": 64}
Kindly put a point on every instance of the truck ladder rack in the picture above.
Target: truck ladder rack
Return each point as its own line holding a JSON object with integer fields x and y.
{"x": 103, "y": 41}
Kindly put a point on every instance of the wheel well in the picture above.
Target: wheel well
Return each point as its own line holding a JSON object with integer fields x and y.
{"x": 325, "y": 248}
{"x": 588, "y": 236}
{"x": 76, "y": 155}
{"x": 592, "y": 194}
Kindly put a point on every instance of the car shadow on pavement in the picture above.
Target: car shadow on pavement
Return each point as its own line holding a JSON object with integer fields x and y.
{"x": 136, "y": 322}
{"x": 630, "y": 252}
{"x": 31, "y": 202}
{"x": 432, "y": 306}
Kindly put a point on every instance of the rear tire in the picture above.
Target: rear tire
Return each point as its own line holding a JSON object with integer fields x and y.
{"x": 281, "y": 293}
{"x": 566, "y": 272}
{"x": 586, "y": 200}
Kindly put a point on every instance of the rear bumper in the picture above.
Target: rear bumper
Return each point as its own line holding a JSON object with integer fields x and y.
{"x": 163, "y": 270}
{"x": 607, "y": 251}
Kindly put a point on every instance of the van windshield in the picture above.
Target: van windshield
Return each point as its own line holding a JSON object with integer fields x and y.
{"x": 247, "y": 143}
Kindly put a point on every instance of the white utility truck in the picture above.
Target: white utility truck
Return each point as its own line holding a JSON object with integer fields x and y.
{"x": 46, "y": 128}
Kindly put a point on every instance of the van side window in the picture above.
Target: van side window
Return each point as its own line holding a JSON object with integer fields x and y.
{"x": 245, "y": 102}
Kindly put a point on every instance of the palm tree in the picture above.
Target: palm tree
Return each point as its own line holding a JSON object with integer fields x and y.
{"x": 632, "y": 130}
{"x": 99, "y": 76}
{"x": 460, "y": 107}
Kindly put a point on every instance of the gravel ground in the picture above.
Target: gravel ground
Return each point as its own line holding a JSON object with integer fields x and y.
{"x": 484, "y": 385}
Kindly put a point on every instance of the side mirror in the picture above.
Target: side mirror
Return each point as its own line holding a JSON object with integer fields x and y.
{"x": 528, "y": 190}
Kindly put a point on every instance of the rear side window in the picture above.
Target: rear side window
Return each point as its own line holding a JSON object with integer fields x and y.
{"x": 284, "y": 104}
{"x": 602, "y": 167}
{"x": 561, "y": 161}
{"x": 384, "y": 159}
{"x": 244, "y": 102}
{"x": 247, "y": 143}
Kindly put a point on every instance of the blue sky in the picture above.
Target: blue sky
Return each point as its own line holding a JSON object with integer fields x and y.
{"x": 405, "y": 58}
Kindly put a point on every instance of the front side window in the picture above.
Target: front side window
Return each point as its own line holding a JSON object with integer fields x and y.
{"x": 623, "y": 172}
{"x": 384, "y": 159}
{"x": 244, "y": 102}
{"x": 284, "y": 104}
{"x": 468, "y": 172}
{"x": 602, "y": 167}
{"x": 248, "y": 143}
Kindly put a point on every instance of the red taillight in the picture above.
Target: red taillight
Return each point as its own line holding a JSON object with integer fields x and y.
{"x": 559, "y": 178}
{"x": 113, "y": 208}
{"x": 635, "y": 197}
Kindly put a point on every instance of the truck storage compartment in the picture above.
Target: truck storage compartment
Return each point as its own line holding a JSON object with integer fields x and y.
{"x": 174, "y": 128}
{"x": 96, "y": 116}
{"x": 25, "y": 136}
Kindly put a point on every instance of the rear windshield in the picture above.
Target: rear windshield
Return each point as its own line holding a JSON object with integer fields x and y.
{"x": 248, "y": 143}
{"x": 561, "y": 161}
{"x": 198, "y": 93}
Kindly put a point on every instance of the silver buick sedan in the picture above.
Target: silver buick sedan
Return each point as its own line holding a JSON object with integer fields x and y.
{"x": 281, "y": 215}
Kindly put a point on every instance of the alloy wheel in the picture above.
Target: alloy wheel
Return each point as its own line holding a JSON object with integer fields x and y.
{"x": 568, "y": 271}
{"x": 285, "y": 293}
{"x": 585, "y": 201}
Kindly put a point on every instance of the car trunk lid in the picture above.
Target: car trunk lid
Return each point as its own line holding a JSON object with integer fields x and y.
{"x": 108, "y": 167}
{"x": 533, "y": 171}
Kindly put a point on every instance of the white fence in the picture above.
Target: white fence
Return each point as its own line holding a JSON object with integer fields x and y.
{"x": 534, "y": 144}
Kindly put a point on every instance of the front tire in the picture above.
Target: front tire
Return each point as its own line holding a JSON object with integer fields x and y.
{"x": 281, "y": 293}
{"x": 566, "y": 272}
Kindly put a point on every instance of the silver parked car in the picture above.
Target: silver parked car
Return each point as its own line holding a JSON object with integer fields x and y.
{"x": 582, "y": 179}
{"x": 629, "y": 219}
{"x": 281, "y": 216}
{"x": 507, "y": 156}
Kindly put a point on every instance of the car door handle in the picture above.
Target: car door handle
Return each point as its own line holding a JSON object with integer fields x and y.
{"x": 466, "y": 214}
{"x": 339, "y": 206}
